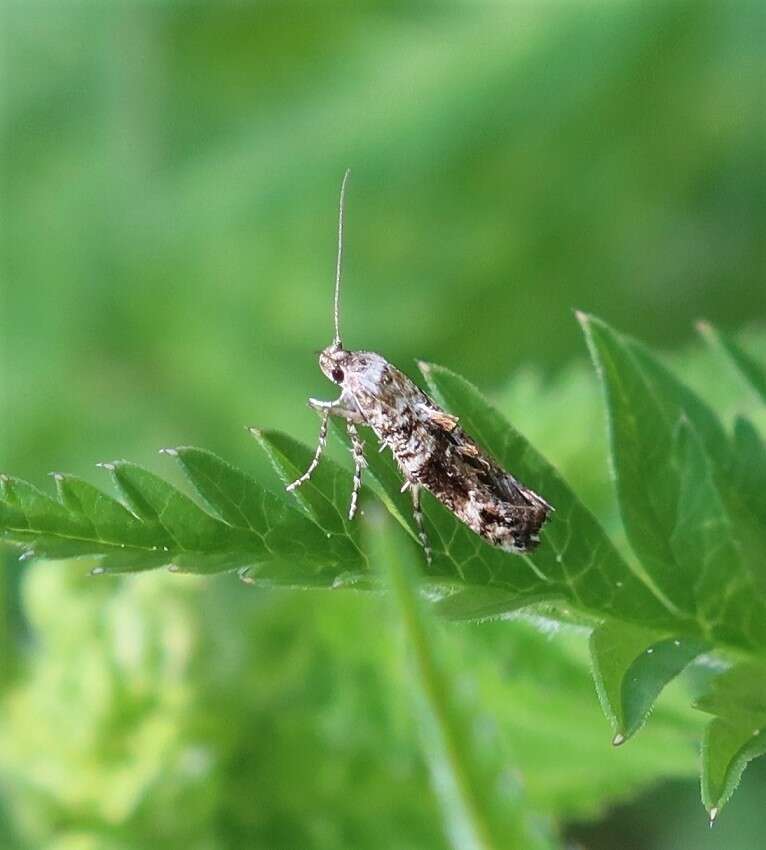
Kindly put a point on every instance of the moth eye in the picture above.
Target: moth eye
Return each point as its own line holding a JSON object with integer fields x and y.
{"x": 337, "y": 375}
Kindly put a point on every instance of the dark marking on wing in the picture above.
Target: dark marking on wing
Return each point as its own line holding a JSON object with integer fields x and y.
{"x": 482, "y": 494}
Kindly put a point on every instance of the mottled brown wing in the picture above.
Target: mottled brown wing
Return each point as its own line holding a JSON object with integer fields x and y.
{"x": 510, "y": 514}
{"x": 434, "y": 452}
{"x": 480, "y": 493}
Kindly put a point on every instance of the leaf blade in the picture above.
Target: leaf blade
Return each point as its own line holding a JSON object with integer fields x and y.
{"x": 751, "y": 371}
{"x": 322, "y": 497}
{"x": 164, "y": 527}
{"x": 631, "y": 666}
{"x": 575, "y": 558}
{"x": 736, "y": 735}
{"x": 681, "y": 514}
{"x": 242, "y": 503}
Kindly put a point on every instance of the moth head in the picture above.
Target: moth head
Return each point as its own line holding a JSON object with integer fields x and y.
{"x": 333, "y": 361}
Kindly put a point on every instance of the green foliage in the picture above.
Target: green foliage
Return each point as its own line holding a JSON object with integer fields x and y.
{"x": 476, "y": 816}
{"x": 187, "y": 713}
{"x": 631, "y": 666}
{"x": 323, "y": 498}
{"x": 529, "y": 163}
{"x": 190, "y": 713}
{"x": 749, "y": 368}
{"x": 170, "y": 177}
{"x": 699, "y": 539}
{"x": 698, "y": 584}
{"x": 737, "y": 698}
{"x": 698, "y": 542}
{"x": 578, "y": 563}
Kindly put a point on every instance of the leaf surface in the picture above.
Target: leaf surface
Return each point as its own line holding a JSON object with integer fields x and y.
{"x": 691, "y": 499}
{"x": 575, "y": 561}
{"x": 325, "y": 497}
{"x": 695, "y": 536}
{"x": 163, "y": 526}
{"x": 736, "y": 735}
{"x": 631, "y": 666}
{"x": 245, "y": 505}
{"x": 748, "y": 367}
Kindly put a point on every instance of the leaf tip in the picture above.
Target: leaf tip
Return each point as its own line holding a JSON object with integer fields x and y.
{"x": 424, "y": 367}
{"x": 582, "y": 317}
{"x": 618, "y": 740}
{"x": 712, "y": 815}
{"x": 56, "y": 476}
{"x": 169, "y": 452}
{"x": 254, "y": 432}
{"x": 109, "y": 467}
{"x": 97, "y": 571}
{"x": 174, "y": 568}
{"x": 704, "y": 327}
{"x": 27, "y": 554}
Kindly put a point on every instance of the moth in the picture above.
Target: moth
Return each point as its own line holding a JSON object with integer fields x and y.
{"x": 430, "y": 448}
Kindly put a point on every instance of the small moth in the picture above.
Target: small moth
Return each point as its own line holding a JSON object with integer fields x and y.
{"x": 428, "y": 444}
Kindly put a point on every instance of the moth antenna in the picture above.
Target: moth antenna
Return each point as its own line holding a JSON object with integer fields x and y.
{"x": 341, "y": 205}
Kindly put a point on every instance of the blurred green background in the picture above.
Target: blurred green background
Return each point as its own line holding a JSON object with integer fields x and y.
{"x": 170, "y": 175}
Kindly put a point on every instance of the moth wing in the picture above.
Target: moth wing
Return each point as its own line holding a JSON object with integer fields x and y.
{"x": 393, "y": 386}
{"x": 443, "y": 420}
{"x": 516, "y": 487}
{"x": 505, "y": 486}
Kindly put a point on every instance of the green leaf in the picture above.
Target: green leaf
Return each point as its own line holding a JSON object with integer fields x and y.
{"x": 750, "y": 369}
{"x": 478, "y": 603}
{"x": 719, "y": 547}
{"x": 674, "y": 399}
{"x": 162, "y": 526}
{"x": 575, "y": 561}
{"x": 199, "y": 541}
{"x": 749, "y": 473}
{"x": 696, "y": 539}
{"x": 325, "y": 497}
{"x": 84, "y": 522}
{"x": 465, "y": 785}
{"x": 736, "y": 736}
{"x": 631, "y": 666}
{"x": 108, "y": 519}
{"x": 245, "y": 505}
{"x": 692, "y": 504}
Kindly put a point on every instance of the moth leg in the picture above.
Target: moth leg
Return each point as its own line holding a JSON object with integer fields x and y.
{"x": 317, "y": 455}
{"x": 343, "y": 406}
{"x": 357, "y": 449}
{"x": 418, "y": 513}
